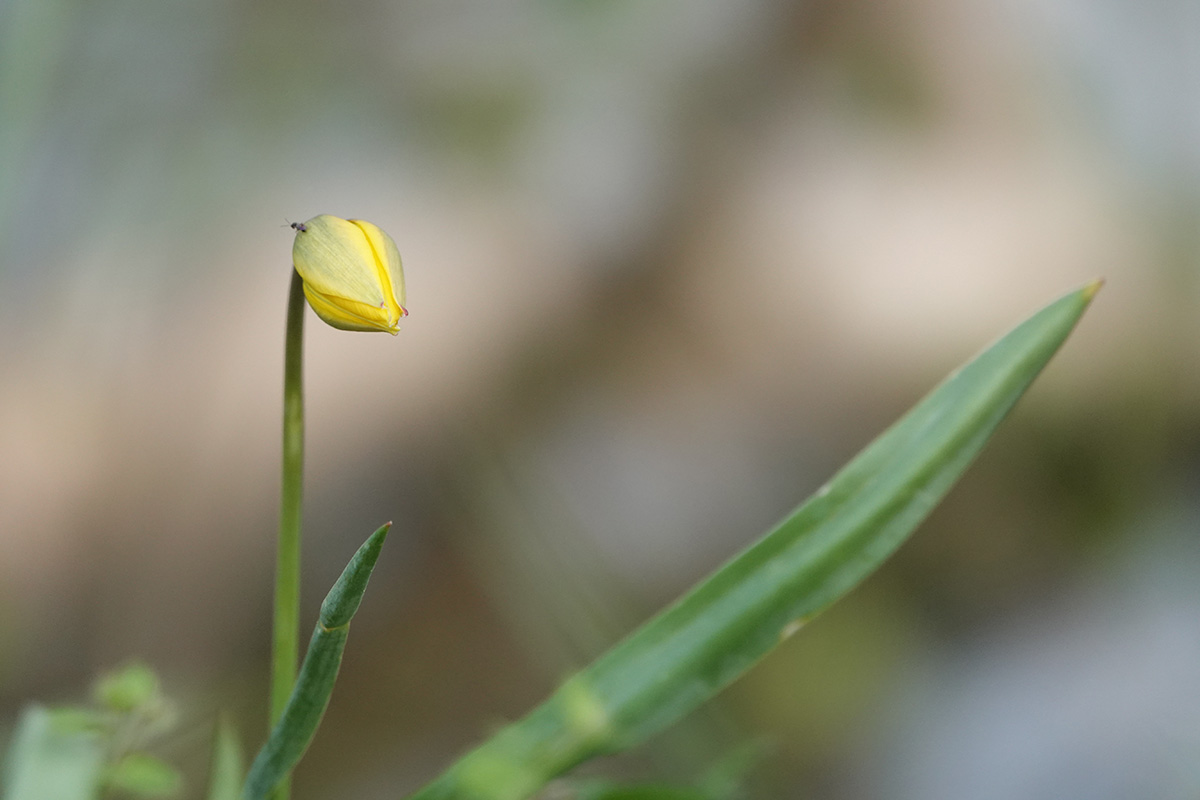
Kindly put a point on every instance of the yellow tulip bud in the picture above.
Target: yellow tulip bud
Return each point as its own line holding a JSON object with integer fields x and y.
{"x": 352, "y": 274}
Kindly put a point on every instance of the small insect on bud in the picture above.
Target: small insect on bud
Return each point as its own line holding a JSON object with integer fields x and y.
{"x": 352, "y": 274}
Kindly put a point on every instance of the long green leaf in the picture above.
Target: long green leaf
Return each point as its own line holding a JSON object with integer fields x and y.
{"x": 50, "y": 760}
{"x": 298, "y": 724}
{"x": 713, "y": 634}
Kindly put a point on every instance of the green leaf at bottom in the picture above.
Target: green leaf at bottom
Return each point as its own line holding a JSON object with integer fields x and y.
{"x": 314, "y": 685}
{"x": 51, "y": 760}
{"x": 713, "y": 634}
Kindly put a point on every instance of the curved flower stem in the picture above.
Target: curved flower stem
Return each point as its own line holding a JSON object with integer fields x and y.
{"x": 285, "y": 652}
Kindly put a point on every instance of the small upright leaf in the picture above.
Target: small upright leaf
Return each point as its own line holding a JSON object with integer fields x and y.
{"x": 225, "y": 781}
{"x": 296, "y": 728}
{"x": 50, "y": 761}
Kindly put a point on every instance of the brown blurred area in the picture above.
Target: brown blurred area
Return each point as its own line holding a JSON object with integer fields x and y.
{"x": 669, "y": 265}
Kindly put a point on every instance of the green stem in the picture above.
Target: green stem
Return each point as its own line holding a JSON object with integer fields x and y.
{"x": 286, "y": 650}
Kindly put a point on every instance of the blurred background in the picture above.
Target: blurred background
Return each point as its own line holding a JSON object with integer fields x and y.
{"x": 669, "y": 265}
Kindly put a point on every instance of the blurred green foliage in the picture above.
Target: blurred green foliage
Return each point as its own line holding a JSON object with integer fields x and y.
{"x": 96, "y": 751}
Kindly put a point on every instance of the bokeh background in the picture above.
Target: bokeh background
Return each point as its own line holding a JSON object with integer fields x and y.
{"x": 669, "y": 265}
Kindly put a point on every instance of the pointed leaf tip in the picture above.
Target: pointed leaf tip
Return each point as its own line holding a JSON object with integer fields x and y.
{"x": 1090, "y": 290}
{"x": 342, "y": 601}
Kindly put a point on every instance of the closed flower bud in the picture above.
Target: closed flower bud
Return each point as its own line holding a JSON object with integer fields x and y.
{"x": 352, "y": 274}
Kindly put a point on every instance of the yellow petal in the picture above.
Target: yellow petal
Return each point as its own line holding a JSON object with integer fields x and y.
{"x": 352, "y": 274}
{"x": 391, "y": 270}
{"x": 347, "y": 315}
{"x": 335, "y": 258}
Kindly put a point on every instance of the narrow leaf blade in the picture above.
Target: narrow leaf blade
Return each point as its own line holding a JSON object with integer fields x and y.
{"x": 821, "y": 551}
{"x": 225, "y": 781}
{"x": 314, "y": 685}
